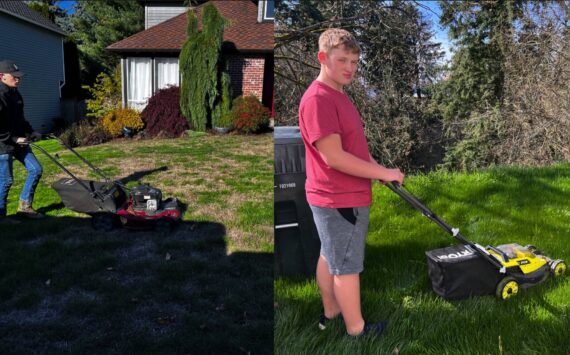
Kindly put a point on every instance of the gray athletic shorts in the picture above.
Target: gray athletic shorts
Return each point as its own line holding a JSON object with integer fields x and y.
{"x": 342, "y": 232}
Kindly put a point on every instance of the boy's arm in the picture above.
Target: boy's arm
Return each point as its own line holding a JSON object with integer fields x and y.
{"x": 4, "y": 132}
{"x": 372, "y": 160}
{"x": 330, "y": 149}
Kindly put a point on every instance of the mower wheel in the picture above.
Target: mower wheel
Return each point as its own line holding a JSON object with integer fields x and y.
{"x": 507, "y": 288}
{"x": 103, "y": 221}
{"x": 558, "y": 268}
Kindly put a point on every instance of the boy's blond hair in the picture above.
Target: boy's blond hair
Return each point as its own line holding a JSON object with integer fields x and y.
{"x": 337, "y": 38}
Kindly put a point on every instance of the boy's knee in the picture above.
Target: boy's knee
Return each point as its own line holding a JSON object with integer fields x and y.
{"x": 36, "y": 171}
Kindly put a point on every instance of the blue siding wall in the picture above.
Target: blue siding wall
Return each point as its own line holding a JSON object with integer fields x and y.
{"x": 39, "y": 54}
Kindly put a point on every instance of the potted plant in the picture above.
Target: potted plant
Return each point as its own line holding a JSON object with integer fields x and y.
{"x": 223, "y": 124}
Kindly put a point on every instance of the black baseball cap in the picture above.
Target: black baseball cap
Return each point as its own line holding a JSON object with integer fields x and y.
{"x": 9, "y": 67}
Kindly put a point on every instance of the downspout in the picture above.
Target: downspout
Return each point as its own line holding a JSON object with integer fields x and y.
{"x": 62, "y": 83}
{"x": 123, "y": 82}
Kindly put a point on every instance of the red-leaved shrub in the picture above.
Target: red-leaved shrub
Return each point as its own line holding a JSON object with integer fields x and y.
{"x": 248, "y": 115}
{"x": 162, "y": 116}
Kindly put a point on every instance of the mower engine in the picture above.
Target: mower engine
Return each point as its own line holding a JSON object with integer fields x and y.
{"x": 146, "y": 209}
{"x": 146, "y": 199}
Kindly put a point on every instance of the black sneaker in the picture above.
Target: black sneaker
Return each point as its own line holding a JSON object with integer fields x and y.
{"x": 375, "y": 329}
{"x": 323, "y": 321}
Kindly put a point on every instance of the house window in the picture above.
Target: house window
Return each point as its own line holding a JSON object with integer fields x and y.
{"x": 139, "y": 79}
{"x": 268, "y": 10}
{"x": 166, "y": 72}
{"x": 145, "y": 76}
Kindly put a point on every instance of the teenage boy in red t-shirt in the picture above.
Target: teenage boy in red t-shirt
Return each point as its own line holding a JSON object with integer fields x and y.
{"x": 340, "y": 170}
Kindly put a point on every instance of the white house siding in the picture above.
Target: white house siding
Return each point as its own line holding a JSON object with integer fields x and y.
{"x": 157, "y": 14}
{"x": 39, "y": 54}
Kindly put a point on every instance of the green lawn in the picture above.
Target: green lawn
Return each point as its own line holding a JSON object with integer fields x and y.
{"x": 207, "y": 287}
{"x": 503, "y": 205}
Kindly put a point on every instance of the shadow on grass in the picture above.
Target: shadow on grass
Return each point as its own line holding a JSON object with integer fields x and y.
{"x": 136, "y": 176}
{"x": 66, "y": 288}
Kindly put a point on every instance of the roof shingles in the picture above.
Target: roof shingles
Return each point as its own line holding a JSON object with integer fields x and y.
{"x": 21, "y": 10}
{"x": 242, "y": 32}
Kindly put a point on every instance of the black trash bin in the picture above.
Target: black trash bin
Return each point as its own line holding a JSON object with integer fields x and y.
{"x": 297, "y": 242}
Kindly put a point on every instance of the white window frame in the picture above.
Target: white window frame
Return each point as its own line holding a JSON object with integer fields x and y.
{"x": 140, "y": 104}
{"x": 155, "y": 71}
{"x": 137, "y": 104}
{"x": 265, "y": 17}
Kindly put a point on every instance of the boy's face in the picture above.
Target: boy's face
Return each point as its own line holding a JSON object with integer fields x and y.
{"x": 9, "y": 80}
{"x": 340, "y": 65}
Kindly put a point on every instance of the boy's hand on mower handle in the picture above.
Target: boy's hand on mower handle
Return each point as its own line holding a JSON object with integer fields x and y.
{"x": 20, "y": 140}
{"x": 395, "y": 175}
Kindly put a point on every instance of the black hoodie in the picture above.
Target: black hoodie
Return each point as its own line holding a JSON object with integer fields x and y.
{"x": 12, "y": 121}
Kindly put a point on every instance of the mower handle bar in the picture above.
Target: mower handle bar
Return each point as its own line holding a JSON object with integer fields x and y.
{"x": 54, "y": 160}
{"x": 93, "y": 167}
{"x": 412, "y": 200}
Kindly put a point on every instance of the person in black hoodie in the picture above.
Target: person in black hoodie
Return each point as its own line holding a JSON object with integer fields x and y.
{"x": 15, "y": 133}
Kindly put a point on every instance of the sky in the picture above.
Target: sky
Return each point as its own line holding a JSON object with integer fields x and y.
{"x": 433, "y": 13}
{"x": 67, "y": 5}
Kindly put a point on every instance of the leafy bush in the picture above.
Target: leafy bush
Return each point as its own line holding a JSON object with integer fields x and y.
{"x": 84, "y": 133}
{"x": 114, "y": 121}
{"x": 106, "y": 93}
{"x": 220, "y": 116}
{"x": 248, "y": 115}
{"x": 162, "y": 116}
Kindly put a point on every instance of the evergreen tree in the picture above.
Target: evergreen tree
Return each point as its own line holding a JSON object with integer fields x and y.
{"x": 482, "y": 32}
{"x": 471, "y": 100}
{"x": 98, "y": 24}
{"x": 204, "y": 91}
{"x": 48, "y": 9}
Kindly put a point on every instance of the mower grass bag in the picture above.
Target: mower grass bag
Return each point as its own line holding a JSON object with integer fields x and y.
{"x": 459, "y": 272}
{"x": 99, "y": 197}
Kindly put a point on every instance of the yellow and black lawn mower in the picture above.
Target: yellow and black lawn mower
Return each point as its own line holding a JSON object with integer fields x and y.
{"x": 469, "y": 269}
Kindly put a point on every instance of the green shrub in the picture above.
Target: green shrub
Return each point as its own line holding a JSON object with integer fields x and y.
{"x": 84, "y": 133}
{"x": 220, "y": 116}
{"x": 106, "y": 93}
{"x": 114, "y": 121}
{"x": 201, "y": 68}
{"x": 248, "y": 115}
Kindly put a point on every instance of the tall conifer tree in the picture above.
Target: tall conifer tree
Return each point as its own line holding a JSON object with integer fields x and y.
{"x": 201, "y": 68}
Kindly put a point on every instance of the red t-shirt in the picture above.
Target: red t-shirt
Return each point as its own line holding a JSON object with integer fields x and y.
{"x": 324, "y": 111}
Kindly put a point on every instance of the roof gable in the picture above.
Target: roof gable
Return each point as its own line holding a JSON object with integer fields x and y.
{"x": 242, "y": 32}
{"x": 20, "y": 10}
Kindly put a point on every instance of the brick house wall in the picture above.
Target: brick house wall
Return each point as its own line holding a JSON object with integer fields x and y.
{"x": 246, "y": 74}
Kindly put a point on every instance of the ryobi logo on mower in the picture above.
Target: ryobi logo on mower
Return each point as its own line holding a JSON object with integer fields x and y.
{"x": 524, "y": 262}
{"x": 459, "y": 254}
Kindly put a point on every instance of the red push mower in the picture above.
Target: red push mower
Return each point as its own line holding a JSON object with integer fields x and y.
{"x": 111, "y": 203}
